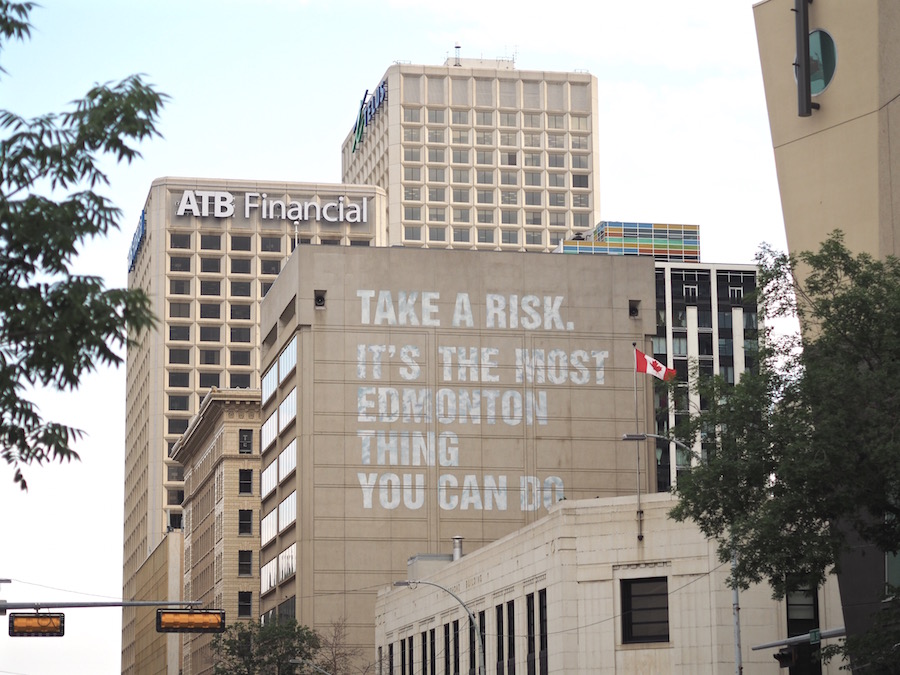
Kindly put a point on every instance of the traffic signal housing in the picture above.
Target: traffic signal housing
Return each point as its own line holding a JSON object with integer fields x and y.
{"x": 37, "y": 625}
{"x": 786, "y": 656}
{"x": 190, "y": 620}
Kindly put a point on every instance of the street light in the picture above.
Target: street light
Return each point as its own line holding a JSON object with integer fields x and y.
{"x": 413, "y": 583}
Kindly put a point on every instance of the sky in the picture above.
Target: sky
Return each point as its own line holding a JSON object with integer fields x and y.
{"x": 268, "y": 90}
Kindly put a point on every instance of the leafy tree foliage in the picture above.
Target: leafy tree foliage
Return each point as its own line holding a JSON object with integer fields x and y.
{"x": 264, "y": 649}
{"x": 56, "y": 326}
{"x": 805, "y": 451}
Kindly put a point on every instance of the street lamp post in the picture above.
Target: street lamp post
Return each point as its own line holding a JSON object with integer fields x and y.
{"x": 481, "y": 658}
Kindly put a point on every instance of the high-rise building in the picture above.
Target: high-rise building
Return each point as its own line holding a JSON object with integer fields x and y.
{"x": 410, "y": 395}
{"x": 206, "y": 252}
{"x": 476, "y": 154}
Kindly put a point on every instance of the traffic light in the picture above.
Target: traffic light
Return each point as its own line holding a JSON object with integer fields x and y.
{"x": 786, "y": 657}
{"x": 190, "y": 620}
{"x": 37, "y": 625}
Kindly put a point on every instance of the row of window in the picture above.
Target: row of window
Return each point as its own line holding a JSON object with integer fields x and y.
{"x": 278, "y": 569}
{"x": 487, "y": 216}
{"x": 209, "y": 379}
{"x": 439, "y": 174}
{"x": 487, "y": 137}
{"x": 489, "y": 118}
{"x": 413, "y": 193}
{"x": 439, "y": 155}
{"x": 239, "y": 289}
{"x": 210, "y": 310}
{"x": 483, "y": 236}
{"x": 270, "y": 266}
{"x": 209, "y": 357}
{"x": 182, "y": 333}
{"x": 213, "y": 242}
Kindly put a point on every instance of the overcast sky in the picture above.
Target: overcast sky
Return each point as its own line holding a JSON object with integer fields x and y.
{"x": 268, "y": 89}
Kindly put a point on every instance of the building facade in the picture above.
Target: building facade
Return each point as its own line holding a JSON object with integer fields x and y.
{"x": 404, "y": 402}
{"x": 660, "y": 240}
{"x": 205, "y": 252}
{"x": 577, "y": 592}
{"x": 476, "y": 154}
{"x": 220, "y": 455}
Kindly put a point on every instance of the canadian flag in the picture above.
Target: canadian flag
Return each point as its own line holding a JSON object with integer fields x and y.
{"x": 647, "y": 364}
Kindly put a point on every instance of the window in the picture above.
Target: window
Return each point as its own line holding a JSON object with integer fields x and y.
{"x": 180, "y": 310}
{"x": 532, "y": 198}
{"x": 435, "y": 116}
{"x": 245, "y": 441}
{"x": 412, "y": 213}
{"x": 269, "y": 266}
{"x": 271, "y": 244}
{"x": 579, "y": 142}
{"x": 508, "y": 158}
{"x": 485, "y": 177}
{"x": 208, "y": 380}
{"x": 485, "y": 197}
{"x": 412, "y": 134}
{"x": 579, "y": 180}
{"x": 437, "y": 194}
{"x": 509, "y": 178}
{"x": 240, "y": 357}
{"x": 239, "y": 381}
{"x": 507, "y": 119}
{"x": 581, "y": 220}
{"x": 579, "y": 123}
{"x": 556, "y": 121}
{"x": 180, "y": 333}
{"x": 556, "y": 199}
{"x": 245, "y": 521}
{"x": 436, "y": 175}
{"x": 212, "y": 265}
{"x": 507, "y": 138}
{"x": 240, "y": 242}
{"x": 240, "y": 289}
{"x": 461, "y": 235}
{"x": 174, "y": 472}
{"x": 245, "y": 481}
{"x": 485, "y": 216}
{"x": 533, "y": 178}
{"x": 532, "y": 237}
{"x": 460, "y": 176}
{"x": 411, "y": 154}
{"x": 509, "y": 197}
{"x": 412, "y": 194}
{"x": 178, "y": 240}
{"x": 557, "y": 220}
{"x": 485, "y": 236}
{"x": 460, "y": 215}
{"x": 484, "y": 138}
{"x": 579, "y": 162}
{"x": 412, "y": 173}
{"x": 178, "y": 426}
{"x": 179, "y": 264}
{"x": 556, "y": 140}
{"x": 435, "y": 154}
{"x": 645, "y": 610}
{"x": 211, "y": 242}
{"x": 410, "y": 114}
{"x": 532, "y": 140}
{"x": 240, "y": 265}
{"x": 180, "y": 286}
{"x": 460, "y": 117}
{"x": 412, "y": 232}
{"x": 178, "y": 402}
{"x": 532, "y": 159}
{"x": 179, "y": 356}
{"x": 209, "y": 357}
{"x": 179, "y": 379}
{"x": 210, "y": 310}
{"x": 245, "y": 563}
{"x": 533, "y": 217}
{"x": 461, "y": 195}
{"x": 437, "y": 214}
{"x": 509, "y": 236}
{"x": 460, "y": 157}
{"x": 245, "y": 604}
{"x": 210, "y": 287}
{"x": 556, "y": 180}
{"x": 174, "y": 497}
{"x": 460, "y": 136}
{"x": 556, "y": 160}
{"x": 437, "y": 233}
{"x": 484, "y": 118}
{"x": 240, "y": 311}
{"x": 435, "y": 135}
{"x": 509, "y": 218}
{"x": 484, "y": 157}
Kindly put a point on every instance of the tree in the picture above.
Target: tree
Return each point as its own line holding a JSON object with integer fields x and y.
{"x": 336, "y": 656}
{"x": 263, "y": 649}
{"x": 56, "y": 326}
{"x": 805, "y": 451}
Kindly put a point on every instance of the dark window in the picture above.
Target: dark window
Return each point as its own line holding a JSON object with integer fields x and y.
{"x": 240, "y": 381}
{"x": 245, "y": 441}
{"x": 269, "y": 266}
{"x": 175, "y": 472}
{"x": 245, "y": 603}
{"x": 180, "y": 286}
{"x": 211, "y": 242}
{"x": 210, "y": 310}
{"x": 180, "y": 310}
{"x": 209, "y": 357}
{"x": 579, "y": 180}
{"x": 288, "y": 608}
{"x": 245, "y": 521}
{"x": 179, "y": 264}
{"x": 180, "y": 333}
{"x": 178, "y": 426}
{"x": 543, "y": 659}
{"x": 210, "y": 287}
{"x": 245, "y": 563}
{"x": 208, "y": 380}
{"x": 271, "y": 244}
{"x": 456, "y": 647}
{"x": 240, "y": 357}
{"x": 240, "y": 334}
{"x": 210, "y": 264}
{"x": 446, "y": 648}
{"x": 432, "y": 663}
{"x": 174, "y": 497}
{"x": 240, "y": 311}
{"x": 529, "y": 626}
{"x": 511, "y": 637}
{"x": 179, "y": 356}
{"x": 210, "y": 333}
{"x": 240, "y": 243}
{"x": 177, "y": 240}
{"x": 240, "y": 289}
{"x": 245, "y": 481}
{"x": 240, "y": 265}
{"x": 178, "y": 402}
{"x": 645, "y": 610}
{"x": 500, "y": 639}
{"x": 264, "y": 288}
{"x": 179, "y": 379}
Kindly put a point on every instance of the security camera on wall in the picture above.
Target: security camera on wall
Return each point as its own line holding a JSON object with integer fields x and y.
{"x": 319, "y": 299}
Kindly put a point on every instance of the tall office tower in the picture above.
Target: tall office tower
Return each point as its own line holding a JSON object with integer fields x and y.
{"x": 478, "y": 155}
{"x": 206, "y": 252}
{"x": 836, "y": 154}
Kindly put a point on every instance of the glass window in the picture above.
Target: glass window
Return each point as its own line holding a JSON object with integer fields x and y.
{"x": 509, "y": 236}
{"x": 532, "y": 140}
{"x": 412, "y": 213}
{"x": 179, "y": 264}
{"x": 180, "y": 333}
{"x": 178, "y": 426}
{"x": 240, "y": 357}
{"x": 179, "y": 356}
{"x": 579, "y": 161}
{"x": 410, "y": 114}
{"x": 435, "y": 135}
{"x": 485, "y": 235}
{"x": 209, "y": 357}
{"x": 508, "y": 158}
{"x": 437, "y": 214}
{"x": 412, "y": 194}
{"x": 556, "y": 140}
{"x": 556, "y": 199}
{"x": 484, "y": 118}
{"x": 271, "y": 244}
{"x": 486, "y": 216}
{"x": 533, "y": 218}
{"x": 179, "y": 240}
{"x": 532, "y": 198}
{"x": 240, "y": 311}
{"x": 532, "y": 159}
{"x": 484, "y": 138}
{"x": 460, "y": 215}
{"x": 437, "y": 194}
{"x": 412, "y": 232}
{"x": 534, "y": 237}
{"x": 436, "y": 174}
{"x": 581, "y": 201}
{"x": 645, "y": 610}
{"x": 579, "y": 180}
{"x": 437, "y": 234}
{"x": 211, "y": 242}
{"x": 556, "y": 160}
{"x": 210, "y": 310}
{"x": 461, "y": 234}
{"x": 178, "y": 402}
{"x": 245, "y": 563}
{"x": 461, "y": 195}
{"x": 509, "y": 178}
{"x": 484, "y": 157}
{"x": 556, "y": 121}
{"x": 180, "y": 310}
{"x": 411, "y": 154}
{"x": 245, "y": 441}
{"x": 485, "y": 178}
{"x": 460, "y": 136}
{"x": 460, "y": 117}
{"x": 509, "y": 197}
{"x": 208, "y": 380}
{"x": 240, "y": 242}
{"x": 460, "y": 156}
{"x": 210, "y": 287}
{"x": 460, "y": 175}
{"x": 179, "y": 379}
{"x": 485, "y": 196}
{"x": 435, "y": 116}
{"x": 245, "y": 481}
{"x": 507, "y": 138}
{"x": 412, "y": 173}
{"x": 240, "y": 334}
{"x": 210, "y": 333}
{"x": 245, "y": 521}
{"x": 240, "y": 289}
{"x": 239, "y": 380}
{"x": 435, "y": 154}
{"x": 213, "y": 265}
{"x": 180, "y": 286}
{"x": 556, "y": 180}
{"x": 533, "y": 178}
{"x": 411, "y": 133}
{"x": 509, "y": 218}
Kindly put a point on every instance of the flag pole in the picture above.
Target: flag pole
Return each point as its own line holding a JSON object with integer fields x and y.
{"x": 637, "y": 430}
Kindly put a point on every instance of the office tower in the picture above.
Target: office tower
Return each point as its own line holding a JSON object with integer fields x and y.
{"x": 475, "y": 154}
{"x": 411, "y": 395}
{"x": 206, "y": 252}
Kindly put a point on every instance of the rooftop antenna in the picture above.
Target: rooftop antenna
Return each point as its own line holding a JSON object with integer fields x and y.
{"x": 457, "y": 64}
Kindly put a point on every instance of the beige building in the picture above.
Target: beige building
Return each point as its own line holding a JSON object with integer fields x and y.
{"x": 409, "y": 395}
{"x": 206, "y": 252}
{"x": 576, "y": 592}
{"x": 837, "y": 167}
{"x": 159, "y": 578}
{"x": 475, "y": 154}
{"x": 220, "y": 455}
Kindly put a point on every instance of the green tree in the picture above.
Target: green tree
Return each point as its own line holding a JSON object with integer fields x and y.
{"x": 263, "y": 649}
{"x": 805, "y": 451}
{"x": 56, "y": 326}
